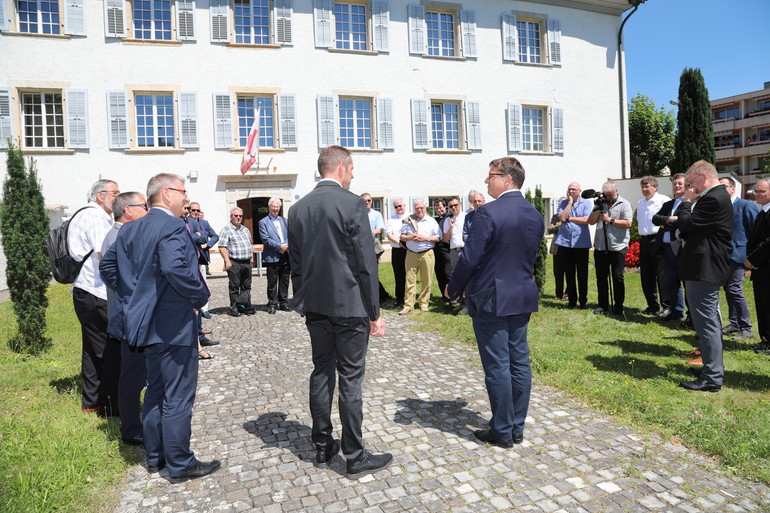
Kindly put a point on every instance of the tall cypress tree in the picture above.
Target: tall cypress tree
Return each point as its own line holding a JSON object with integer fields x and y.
{"x": 542, "y": 250}
{"x": 24, "y": 225}
{"x": 695, "y": 135}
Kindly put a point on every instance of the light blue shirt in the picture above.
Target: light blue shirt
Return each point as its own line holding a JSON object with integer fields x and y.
{"x": 573, "y": 235}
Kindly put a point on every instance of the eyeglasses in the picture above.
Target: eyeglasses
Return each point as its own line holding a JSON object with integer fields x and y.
{"x": 195, "y": 210}
{"x": 368, "y": 201}
{"x": 114, "y": 193}
{"x": 493, "y": 175}
{"x": 455, "y": 205}
{"x": 398, "y": 206}
{"x": 236, "y": 215}
{"x": 419, "y": 208}
{"x": 143, "y": 205}
{"x": 187, "y": 208}
{"x": 183, "y": 191}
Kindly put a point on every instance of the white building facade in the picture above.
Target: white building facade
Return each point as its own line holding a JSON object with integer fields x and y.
{"x": 425, "y": 94}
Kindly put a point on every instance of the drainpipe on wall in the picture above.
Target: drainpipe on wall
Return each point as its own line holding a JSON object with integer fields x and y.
{"x": 624, "y": 158}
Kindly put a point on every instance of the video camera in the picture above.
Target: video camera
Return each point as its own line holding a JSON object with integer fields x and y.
{"x": 602, "y": 202}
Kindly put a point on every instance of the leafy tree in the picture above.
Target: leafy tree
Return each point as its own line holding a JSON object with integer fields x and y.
{"x": 651, "y": 136}
{"x": 695, "y": 136}
{"x": 24, "y": 227}
{"x": 542, "y": 250}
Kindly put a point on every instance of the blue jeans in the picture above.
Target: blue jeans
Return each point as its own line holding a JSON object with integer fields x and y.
{"x": 504, "y": 353}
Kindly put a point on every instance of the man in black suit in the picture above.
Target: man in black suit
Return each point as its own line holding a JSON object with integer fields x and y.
{"x": 758, "y": 260}
{"x": 334, "y": 273}
{"x": 704, "y": 266}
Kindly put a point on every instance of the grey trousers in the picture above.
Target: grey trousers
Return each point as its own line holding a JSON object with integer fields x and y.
{"x": 703, "y": 301}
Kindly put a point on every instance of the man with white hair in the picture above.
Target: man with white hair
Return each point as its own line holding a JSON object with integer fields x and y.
{"x": 100, "y": 360}
{"x": 274, "y": 233}
{"x": 420, "y": 232}
{"x": 612, "y": 216}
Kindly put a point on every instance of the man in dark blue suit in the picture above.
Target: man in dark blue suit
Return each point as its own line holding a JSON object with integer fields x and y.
{"x": 275, "y": 238}
{"x": 497, "y": 265}
{"x": 744, "y": 215}
{"x": 204, "y": 237}
{"x": 151, "y": 267}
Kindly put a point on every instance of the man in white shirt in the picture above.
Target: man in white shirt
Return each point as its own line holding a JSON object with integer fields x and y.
{"x": 100, "y": 361}
{"x": 650, "y": 264}
{"x": 397, "y": 248}
{"x": 420, "y": 233}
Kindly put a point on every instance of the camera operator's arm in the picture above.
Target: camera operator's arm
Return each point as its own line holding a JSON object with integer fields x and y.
{"x": 594, "y": 217}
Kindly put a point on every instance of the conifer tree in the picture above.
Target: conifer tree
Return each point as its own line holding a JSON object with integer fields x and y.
{"x": 542, "y": 250}
{"x": 695, "y": 135}
{"x": 24, "y": 227}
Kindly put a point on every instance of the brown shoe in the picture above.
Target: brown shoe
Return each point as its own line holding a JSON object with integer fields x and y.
{"x": 405, "y": 311}
{"x": 696, "y": 361}
{"x": 692, "y": 353}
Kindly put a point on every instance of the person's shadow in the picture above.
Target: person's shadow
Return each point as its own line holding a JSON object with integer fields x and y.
{"x": 275, "y": 431}
{"x": 447, "y": 416}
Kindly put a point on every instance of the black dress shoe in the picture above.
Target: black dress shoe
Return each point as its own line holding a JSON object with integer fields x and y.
{"x": 651, "y": 310}
{"x": 284, "y": 307}
{"x": 234, "y": 314}
{"x": 517, "y": 439}
{"x": 154, "y": 469}
{"x": 206, "y": 342}
{"x": 700, "y": 385}
{"x": 671, "y": 316}
{"x": 369, "y": 464}
{"x": 485, "y": 435}
{"x": 200, "y": 469}
{"x": 136, "y": 440}
{"x": 665, "y": 312}
{"x": 271, "y": 309}
{"x": 325, "y": 453}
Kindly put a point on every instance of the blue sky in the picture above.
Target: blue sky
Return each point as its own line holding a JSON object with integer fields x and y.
{"x": 728, "y": 40}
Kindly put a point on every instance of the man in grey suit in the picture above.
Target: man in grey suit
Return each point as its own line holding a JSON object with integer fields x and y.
{"x": 334, "y": 273}
{"x": 152, "y": 267}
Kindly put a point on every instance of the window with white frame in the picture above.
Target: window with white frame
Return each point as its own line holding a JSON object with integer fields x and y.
{"x": 43, "y": 17}
{"x": 234, "y": 115}
{"x": 250, "y": 106}
{"x": 50, "y": 119}
{"x": 439, "y": 124}
{"x": 531, "y": 38}
{"x": 352, "y": 25}
{"x": 152, "y": 120}
{"x": 435, "y": 32}
{"x": 350, "y": 121}
{"x": 150, "y": 20}
{"x": 535, "y": 128}
{"x": 251, "y": 22}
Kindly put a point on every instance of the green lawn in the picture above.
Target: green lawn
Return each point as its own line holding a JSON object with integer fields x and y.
{"x": 630, "y": 369}
{"x": 53, "y": 457}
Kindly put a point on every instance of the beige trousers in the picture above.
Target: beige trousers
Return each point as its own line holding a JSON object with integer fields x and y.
{"x": 424, "y": 262}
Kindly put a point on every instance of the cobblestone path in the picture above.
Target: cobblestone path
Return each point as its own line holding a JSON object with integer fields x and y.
{"x": 423, "y": 397}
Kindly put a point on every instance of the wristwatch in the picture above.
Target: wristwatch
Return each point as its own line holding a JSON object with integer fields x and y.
{"x": 612, "y": 220}
{"x": 567, "y": 220}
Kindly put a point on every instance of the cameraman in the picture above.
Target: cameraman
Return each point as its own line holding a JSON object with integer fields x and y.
{"x": 613, "y": 215}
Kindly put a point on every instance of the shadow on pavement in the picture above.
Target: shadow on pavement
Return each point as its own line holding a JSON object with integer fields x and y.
{"x": 447, "y": 416}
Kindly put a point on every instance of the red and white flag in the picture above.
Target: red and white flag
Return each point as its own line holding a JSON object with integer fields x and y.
{"x": 252, "y": 145}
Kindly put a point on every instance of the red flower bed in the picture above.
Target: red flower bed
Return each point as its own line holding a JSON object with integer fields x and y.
{"x": 632, "y": 255}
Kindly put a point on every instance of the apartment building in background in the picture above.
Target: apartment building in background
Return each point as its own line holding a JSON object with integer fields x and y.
{"x": 742, "y": 134}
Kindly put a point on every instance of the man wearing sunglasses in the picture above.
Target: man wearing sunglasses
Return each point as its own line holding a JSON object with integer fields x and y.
{"x": 126, "y": 208}
{"x": 205, "y": 237}
{"x": 236, "y": 249}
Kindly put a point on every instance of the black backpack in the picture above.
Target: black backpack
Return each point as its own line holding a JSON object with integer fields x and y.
{"x": 64, "y": 268}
